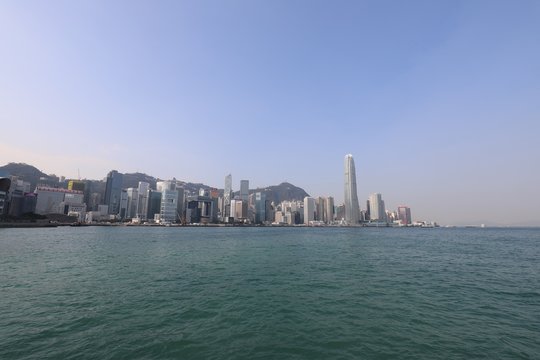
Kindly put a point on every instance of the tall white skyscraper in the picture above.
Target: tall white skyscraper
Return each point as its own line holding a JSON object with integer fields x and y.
{"x": 352, "y": 209}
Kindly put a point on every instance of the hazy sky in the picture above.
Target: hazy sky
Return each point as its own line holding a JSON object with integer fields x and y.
{"x": 438, "y": 101}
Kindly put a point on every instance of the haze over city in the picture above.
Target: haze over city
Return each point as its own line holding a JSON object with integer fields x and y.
{"x": 437, "y": 101}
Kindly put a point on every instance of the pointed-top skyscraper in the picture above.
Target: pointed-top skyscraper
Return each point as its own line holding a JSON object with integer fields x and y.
{"x": 227, "y": 196}
{"x": 352, "y": 209}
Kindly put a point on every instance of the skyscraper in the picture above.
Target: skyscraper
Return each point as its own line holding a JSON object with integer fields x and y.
{"x": 244, "y": 190}
{"x": 113, "y": 190}
{"x": 142, "y": 203}
{"x": 352, "y": 209}
{"x": 260, "y": 207}
{"x": 377, "y": 211}
{"x": 169, "y": 201}
{"x": 309, "y": 209}
{"x": 404, "y": 214}
{"x": 227, "y": 194}
{"x": 329, "y": 210}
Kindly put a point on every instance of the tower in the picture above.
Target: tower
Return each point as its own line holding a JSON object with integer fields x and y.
{"x": 352, "y": 209}
{"x": 113, "y": 191}
{"x": 227, "y": 194}
{"x": 404, "y": 214}
{"x": 309, "y": 209}
{"x": 244, "y": 190}
{"x": 377, "y": 211}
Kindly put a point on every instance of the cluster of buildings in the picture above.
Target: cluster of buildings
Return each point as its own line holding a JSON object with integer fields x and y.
{"x": 170, "y": 203}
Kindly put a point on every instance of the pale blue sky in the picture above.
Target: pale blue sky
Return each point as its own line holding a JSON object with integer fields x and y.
{"x": 438, "y": 101}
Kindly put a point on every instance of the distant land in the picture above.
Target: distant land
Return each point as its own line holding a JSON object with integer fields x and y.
{"x": 276, "y": 193}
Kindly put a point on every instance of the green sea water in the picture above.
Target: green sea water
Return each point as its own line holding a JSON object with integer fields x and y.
{"x": 269, "y": 293}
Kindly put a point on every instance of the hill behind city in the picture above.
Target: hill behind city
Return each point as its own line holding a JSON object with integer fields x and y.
{"x": 35, "y": 176}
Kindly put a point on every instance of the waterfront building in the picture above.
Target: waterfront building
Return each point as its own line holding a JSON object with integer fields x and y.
{"x": 377, "y": 211}
{"x": 227, "y": 197}
{"x": 404, "y": 215}
{"x": 123, "y": 204}
{"x": 132, "y": 202}
{"x": 278, "y": 217}
{"x": 366, "y": 214}
{"x": 25, "y": 204}
{"x": 5, "y": 184}
{"x": 142, "y": 200}
{"x": 113, "y": 191}
{"x": 154, "y": 204}
{"x": 57, "y": 201}
{"x": 340, "y": 212}
{"x": 352, "y": 208}
{"x": 329, "y": 218}
{"x": 269, "y": 210}
{"x": 320, "y": 213}
{"x": 309, "y": 209}
{"x": 181, "y": 207}
{"x": 201, "y": 209}
{"x": 260, "y": 207}
{"x": 169, "y": 201}
{"x": 239, "y": 209}
{"x": 169, "y": 204}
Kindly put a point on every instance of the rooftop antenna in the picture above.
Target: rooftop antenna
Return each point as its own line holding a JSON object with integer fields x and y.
{"x": 79, "y": 173}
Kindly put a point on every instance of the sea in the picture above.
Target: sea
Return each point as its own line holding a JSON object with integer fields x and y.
{"x": 121, "y": 292}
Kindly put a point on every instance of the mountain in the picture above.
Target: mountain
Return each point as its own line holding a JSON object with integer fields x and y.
{"x": 132, "y": 180}
{"x": 281, "y": 192}
{"x": 275, "y": 193}
{"x": 26, "y": 172}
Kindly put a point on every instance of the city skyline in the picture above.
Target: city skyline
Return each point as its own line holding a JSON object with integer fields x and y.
{"x": 437, "y": 101}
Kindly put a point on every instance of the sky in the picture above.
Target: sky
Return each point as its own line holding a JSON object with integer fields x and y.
{"x": 438, "y": 101}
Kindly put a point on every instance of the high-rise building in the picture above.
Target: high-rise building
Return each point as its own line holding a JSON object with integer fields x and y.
{"x": 227, "y": 196}
{"x": 180, "y": 209}
{"x": 244, "y": 190}
{"x": 5, "y": 184}
{"x": 320, "y": 204}
{"x": 154, "y": 204}
{"x": 142, "y": 202}
{"x": 260, "y": 207}
{"x": 309, "y": 209}
{"x": 377, "y": 211}
{"x": 132, "y": 202}
{"x": 123, "y": 204}
{"x": 352, "y": 208}
{"x": 113, "y": 190}
{"x": 404, "y": 214}
{"x": 329, "y": 210}
{"x": 169, "y": 206}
